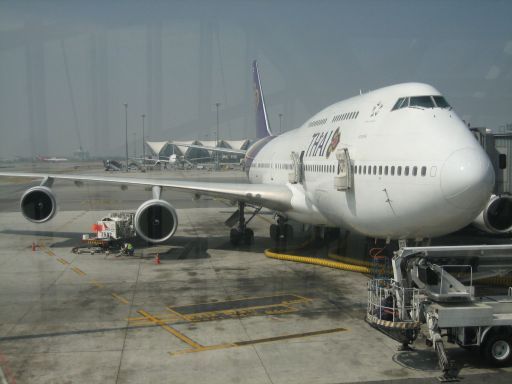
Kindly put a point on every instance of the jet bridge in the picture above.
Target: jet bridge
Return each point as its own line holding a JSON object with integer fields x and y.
{"x": 432, "y": 287}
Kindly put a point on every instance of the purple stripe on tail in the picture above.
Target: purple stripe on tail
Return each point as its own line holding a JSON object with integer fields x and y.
{"x": 262, "y": 125}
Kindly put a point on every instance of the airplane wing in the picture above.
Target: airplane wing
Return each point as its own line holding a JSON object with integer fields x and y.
{"x": 276, "y": 197}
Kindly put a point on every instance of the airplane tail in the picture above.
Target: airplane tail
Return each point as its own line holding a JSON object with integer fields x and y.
{"x": 262, "y": 125}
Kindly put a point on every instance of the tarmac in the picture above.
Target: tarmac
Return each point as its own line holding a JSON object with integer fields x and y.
{"x": 209, "y": 312}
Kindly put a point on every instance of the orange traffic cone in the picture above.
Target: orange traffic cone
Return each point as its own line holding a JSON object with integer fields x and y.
{"x": 157, "y": 258}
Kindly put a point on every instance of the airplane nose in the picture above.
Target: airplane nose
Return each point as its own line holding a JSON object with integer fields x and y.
{"x": 467, "y": 178}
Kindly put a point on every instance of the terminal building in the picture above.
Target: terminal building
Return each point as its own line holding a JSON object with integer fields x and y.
{"x": 182, "y": 149}
{"x": 499, "y": 149}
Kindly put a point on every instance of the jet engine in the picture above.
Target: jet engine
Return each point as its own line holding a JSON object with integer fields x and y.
{"x": 38, "y": 204}
{"x": 497, "y": 215}
{"x": 156, "y": 221}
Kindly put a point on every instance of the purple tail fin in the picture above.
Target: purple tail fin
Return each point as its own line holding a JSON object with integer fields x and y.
{"x": 262, "y": 126}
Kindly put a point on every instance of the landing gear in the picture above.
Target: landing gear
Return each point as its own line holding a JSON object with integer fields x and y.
{"x": 281, "y": 231}
{"x": 242, "y": 234}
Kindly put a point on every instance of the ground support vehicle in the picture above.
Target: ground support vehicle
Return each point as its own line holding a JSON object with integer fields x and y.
{"x": 432, "y": 288}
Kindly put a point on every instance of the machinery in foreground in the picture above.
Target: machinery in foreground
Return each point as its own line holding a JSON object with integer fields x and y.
{"x": 432, "y": 287}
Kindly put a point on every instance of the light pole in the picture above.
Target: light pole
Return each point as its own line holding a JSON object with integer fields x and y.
{"x": 280, "y": 122}
{"x": 217, "y": 145}
{"x": 126, "y": 131}
{"x": 135, "y": 145}
{"x": 143, "y": 143}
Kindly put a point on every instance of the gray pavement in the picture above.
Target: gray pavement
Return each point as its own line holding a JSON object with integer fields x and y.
{"x": 208, "y": 313}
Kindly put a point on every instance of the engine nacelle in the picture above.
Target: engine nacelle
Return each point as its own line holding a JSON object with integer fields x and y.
{"x": 38, "y": 204}
{"x": 496, "y": 216}
{"x": 156, "y": 221}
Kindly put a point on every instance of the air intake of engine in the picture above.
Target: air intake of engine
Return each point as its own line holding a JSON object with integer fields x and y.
{"x": 156, "y": 221}
{"x": 38, "y": 204}
{"x": 496, "y": 216}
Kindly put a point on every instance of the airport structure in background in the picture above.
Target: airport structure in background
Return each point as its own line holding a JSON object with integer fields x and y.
{"x": 164, "y": 149}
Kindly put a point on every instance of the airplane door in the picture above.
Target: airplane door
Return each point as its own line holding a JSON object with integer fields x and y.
{"x": 296, "y": 176}
{"x": 343, "y": 178}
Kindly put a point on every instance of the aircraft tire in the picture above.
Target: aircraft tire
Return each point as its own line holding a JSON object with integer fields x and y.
{"x": 287, "y": 232}
{"x": 248, "y": 236}
{"x": 275, "y": 232}
{"x": 235, "y": 236}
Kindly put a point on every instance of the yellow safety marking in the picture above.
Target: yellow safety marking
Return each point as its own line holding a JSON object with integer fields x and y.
{"x": 140, "y": 321}
{"x": 62, "y": 261}
{"x": 96, "y": 283}
{"x": 393, "y": 324}
{"x": 242, "y": 312}
{"x": 282, "y": 307}
{"x": 182, "y": 317}
{"x": 43, "y": 247}
{"x": 301, "y": 298}
{"x": 120, "y": 298}
{"x": 78, "y": 271}
{"x": 171, "y": 330}
{"x": 203, "y": 349}
{"x": 257, "y": 341}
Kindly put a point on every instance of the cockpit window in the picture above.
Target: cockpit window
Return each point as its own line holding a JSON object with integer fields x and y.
{"x": 441, "y": 102}
{"x": 422, "y": 102}
{"x": 398, "y": 103}
{"x": 401, "y": 103}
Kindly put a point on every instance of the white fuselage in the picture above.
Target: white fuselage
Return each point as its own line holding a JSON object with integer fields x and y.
{"x": 417, "y": 172}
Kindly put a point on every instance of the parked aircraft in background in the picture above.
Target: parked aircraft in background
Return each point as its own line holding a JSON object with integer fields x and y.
{"x": 394, "y": 163}
{"x": 52, "y": 159}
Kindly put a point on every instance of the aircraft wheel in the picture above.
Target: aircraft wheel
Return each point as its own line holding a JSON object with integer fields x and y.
{"x": 287, "y": 231}
{"x": 248, "y": 236}
{"x": 275, "y": 232}
{"x": 235, "y": 236}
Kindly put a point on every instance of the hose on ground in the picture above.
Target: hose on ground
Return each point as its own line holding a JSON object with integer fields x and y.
{"x": 316, "y": 261}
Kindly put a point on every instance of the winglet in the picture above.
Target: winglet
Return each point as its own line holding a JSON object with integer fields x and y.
{"x": 262, "y": 125}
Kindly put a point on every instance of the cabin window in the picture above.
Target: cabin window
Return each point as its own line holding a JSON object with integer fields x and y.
{"x": 380, "y": 169}
{"x": 399, "y": 170}
{"x": 414, "y": 171}
{"x": 423, "y": 171}
{"x": 364, "y": 170}
{"x": 374, "y": 169}
{"x": 393, "y": 170}
{"x": 386, "y": 170}
{"x": 406, "y": 171}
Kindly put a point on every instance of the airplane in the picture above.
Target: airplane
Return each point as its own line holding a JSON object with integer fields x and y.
{"x": 173, "y": 160}
{"x": 112, "y": 165}
{"x": 396, "y": 163}
{"x": 52, "y": 159}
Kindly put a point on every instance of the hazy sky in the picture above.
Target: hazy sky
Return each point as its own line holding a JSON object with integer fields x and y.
{"x": 67, "y": 67}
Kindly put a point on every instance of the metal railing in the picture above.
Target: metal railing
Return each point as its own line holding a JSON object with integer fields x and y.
{"x": 389, "y": 302}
